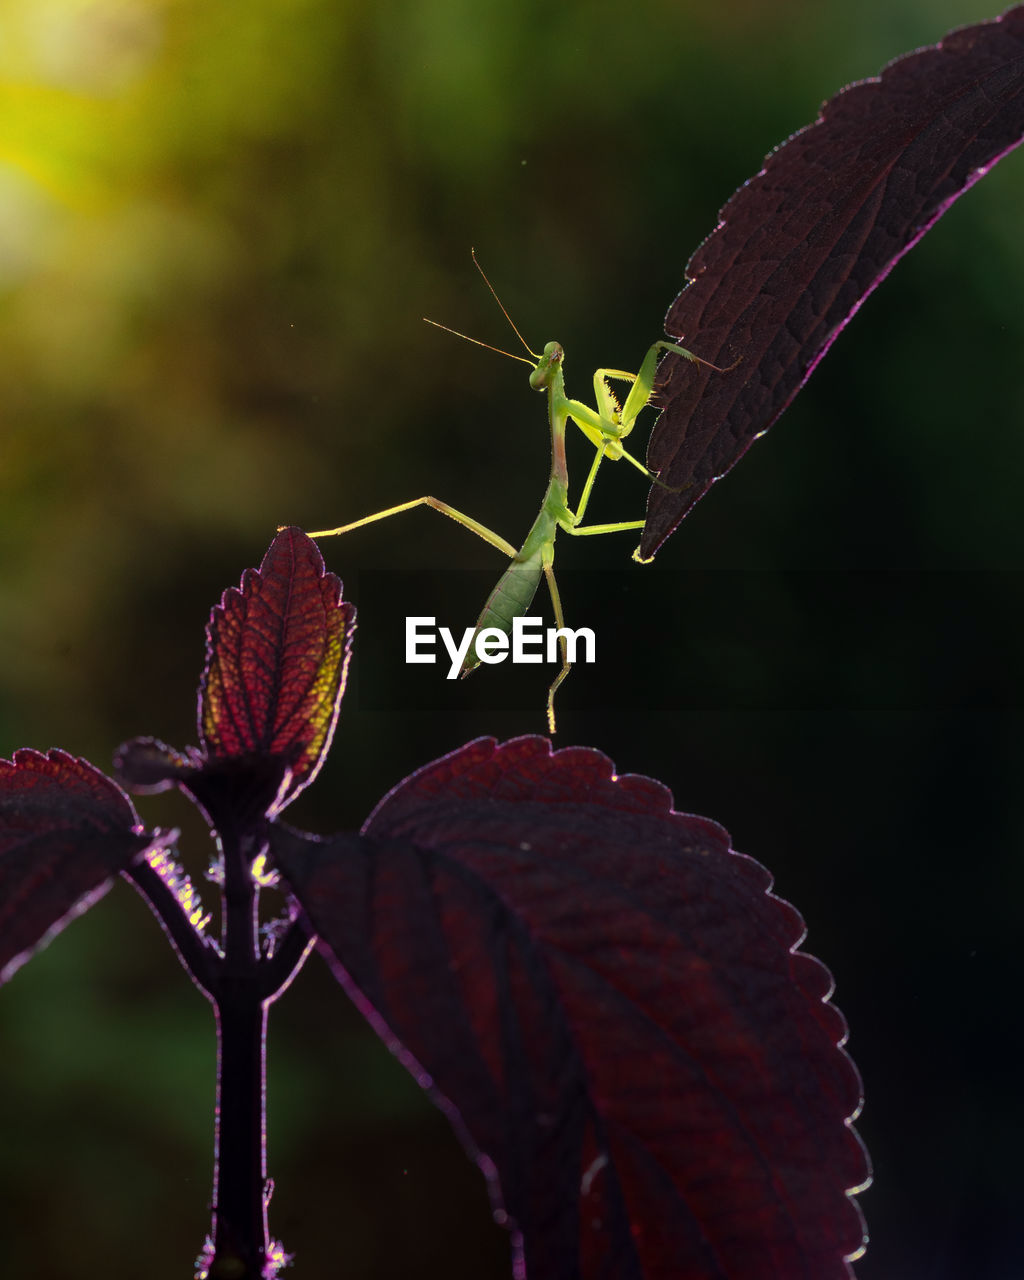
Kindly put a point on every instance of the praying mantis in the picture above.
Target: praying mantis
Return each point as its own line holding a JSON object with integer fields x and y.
{"x": 605, "y": 426}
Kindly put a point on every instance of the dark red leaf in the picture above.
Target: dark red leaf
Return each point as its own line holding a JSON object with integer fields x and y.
{"x": 65, "y": 832}
{"x": 799, "y": 247}
{"x": 277, "y": 654}
{"x": 607, "y": 1002}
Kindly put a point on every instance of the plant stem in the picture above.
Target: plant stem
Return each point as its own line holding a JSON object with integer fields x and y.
{"x": 241, "y": 983}
{"x": 241, "y": 1246}
{"x": 240, "y": 1235}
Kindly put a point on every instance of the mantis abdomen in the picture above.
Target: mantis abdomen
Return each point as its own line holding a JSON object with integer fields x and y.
{"x": 510, "y": 599}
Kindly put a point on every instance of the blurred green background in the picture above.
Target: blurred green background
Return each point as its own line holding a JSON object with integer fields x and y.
{"x": 220, "y": 226}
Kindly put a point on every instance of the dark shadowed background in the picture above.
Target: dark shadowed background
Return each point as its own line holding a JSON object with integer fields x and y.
{"x": 220, "y": 226}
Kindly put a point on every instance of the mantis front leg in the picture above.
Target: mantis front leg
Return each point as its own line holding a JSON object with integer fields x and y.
{"x": 643, "y": 384}
{"x": 608, "y": 425}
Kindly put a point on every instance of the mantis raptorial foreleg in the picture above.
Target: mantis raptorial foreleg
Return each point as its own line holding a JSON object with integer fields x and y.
{"x": 608, "y": 425}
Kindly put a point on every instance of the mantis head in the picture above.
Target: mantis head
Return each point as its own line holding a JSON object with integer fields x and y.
{"x": 547, "y": 367}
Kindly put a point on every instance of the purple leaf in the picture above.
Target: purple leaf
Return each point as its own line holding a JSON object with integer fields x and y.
{"x": 277, "y": 655}
{"x": 65, "y": 832}
{"x": 800, "y": 246}
{"x": 607, "y": 1002}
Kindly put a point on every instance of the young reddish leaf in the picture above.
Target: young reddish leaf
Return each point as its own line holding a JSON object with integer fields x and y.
{"x": 608, "y": 1003}
{"x": 65, "y": 832}
{"x": 277, "y": 654}
{"x": 239, "y": 790}
{"x": 147, "y": 765}
{"x": 800, "y": 246}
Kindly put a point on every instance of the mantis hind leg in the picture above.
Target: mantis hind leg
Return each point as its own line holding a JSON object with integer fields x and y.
{"x": 556, "y": 605}
{"x": 467, "y": 522}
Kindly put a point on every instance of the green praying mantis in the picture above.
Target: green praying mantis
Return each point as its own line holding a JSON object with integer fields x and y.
{"x": 606, "y": 426}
